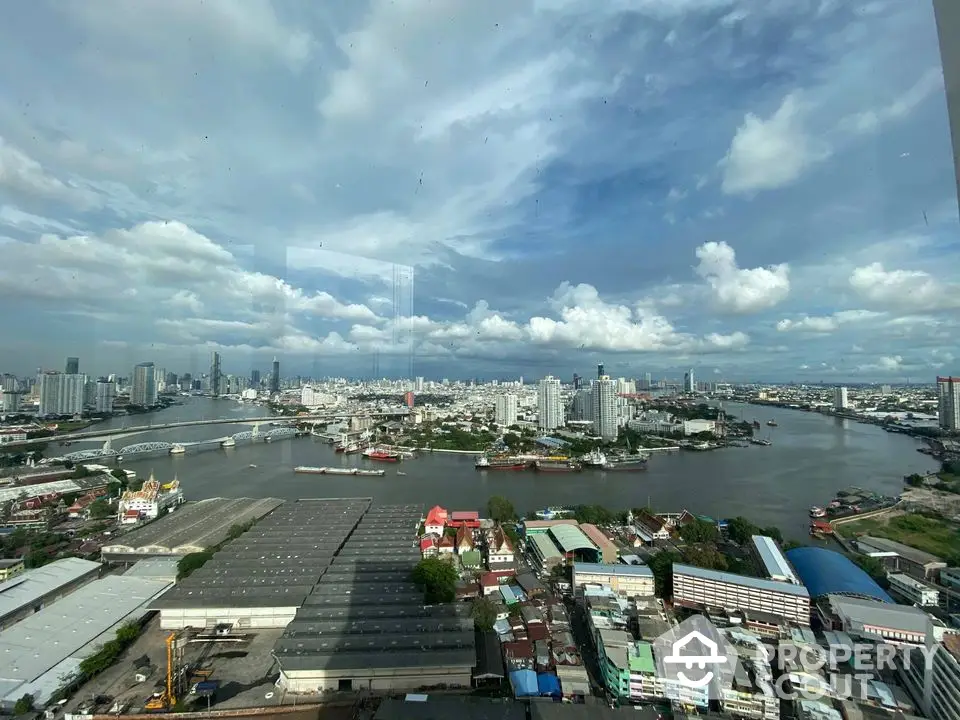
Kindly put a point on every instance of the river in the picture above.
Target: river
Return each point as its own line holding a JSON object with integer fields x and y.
{"x": 812, "y": 457}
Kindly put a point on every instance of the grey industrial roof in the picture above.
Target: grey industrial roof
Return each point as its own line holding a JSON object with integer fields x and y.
{"x": 379, "y": 659}
{"x": 194, "y": 526}
{"x": 570, "y": 538}
{"x": 401, "y": 626}
{"x": 238, "y": 597}
{"x": 378, "y": 642}
{"x": 870, "y": 612}
{"x": 756, "y": 583}
{"x": 157, "y": 568}
{"x": 356, "y": 601}
{"x": 363, "y": 589}
{"x": 335, "y": 574}
{"x": 772, "y": 557}
{"x": 317, "y": 613}
{"x": 28, "y": 587}
{"x": 910, "y": 553}
{"x": 60, "y": 635}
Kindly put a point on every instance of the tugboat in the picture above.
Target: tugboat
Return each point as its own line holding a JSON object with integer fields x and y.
{"x": 594, "y": 458}
{"x": 553, "y": 512}
{"x": 381, "y": 454}
{"x": 628, "y": 462}
{"x": 817, "y": 512}
{"x": 771, "y": 423}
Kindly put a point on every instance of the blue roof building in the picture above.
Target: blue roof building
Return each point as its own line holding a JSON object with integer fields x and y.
{"x": 826, "y": 572}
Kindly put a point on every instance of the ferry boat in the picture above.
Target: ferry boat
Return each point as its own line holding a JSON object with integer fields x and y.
{"x": 229, "y": 442}
{"x": 178, "y": 450}
{"x": 772, "y": 423}
{"x": 557, "y": 466}
{"x": 400, "y": 472}
{"x": 760, "y": 441}
{"x": 817, "y": 512}
{"x": 594, "y": 458}
{"x": 553, "y": 512}
{"x": 499, "y": 463}
{"x": 374, "y": 453}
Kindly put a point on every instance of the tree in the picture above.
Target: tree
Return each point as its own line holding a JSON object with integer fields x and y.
{"x": 100, "y": 509}
{"x": 484, "y": 613}
{"x": 192, "y": 561}
{"x": 437, "y": 579}
{"x": 501, "y": 509}
{"x": 740, "y": 529}
{"x": 706, "y": 557}
{"x": 661, "y": 565}
{"x": 119, "y": 475}
{"x": 772, "y": 532}
{"x": 512, "y": 441}
{"x": 699, "y": 531}
{"x": 23, "y": 705}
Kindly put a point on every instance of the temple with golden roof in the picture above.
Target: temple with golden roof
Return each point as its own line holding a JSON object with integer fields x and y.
{"x": 149, "y": 501}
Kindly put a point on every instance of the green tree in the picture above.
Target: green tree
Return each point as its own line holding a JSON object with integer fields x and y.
{"x": 437, "y": 579}
{"x": 192, "y": 561}
{"x": 740, "y": 529}
{"x": 484, "y": 613}
{"x": 699, "y": 531}
{"x": 705, "y": 556}
{"x": 100, "y": 509}
{"x": 23, "y": 705}
{"x": 512, "y": 441}
{"x": 119, "y": 475}
{"x": 661, "y": 565}
{"x": 772, "y": 532}
{"x": 501, "y": 509}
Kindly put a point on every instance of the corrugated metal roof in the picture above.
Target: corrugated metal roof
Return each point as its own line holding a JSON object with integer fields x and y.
{"x": 826, "y": 572}
{"x": 757, "y": 583}
{"x": 774, "y": 562}
{"x": 30, "y": 586}
{"x": 612, "y": 569}
{"x": 861, "y": 612}
{"x": 570, "y": 538}
{"x": 546, "y": 546}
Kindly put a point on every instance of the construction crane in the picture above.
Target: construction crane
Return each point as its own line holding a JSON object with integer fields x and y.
{"x": 167, "y": 698}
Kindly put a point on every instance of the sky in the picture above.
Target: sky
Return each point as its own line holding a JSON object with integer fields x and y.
{"x": 756, "y": 189}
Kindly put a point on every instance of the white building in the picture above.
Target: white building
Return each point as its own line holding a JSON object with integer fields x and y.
{"x": 505, "y": 410}
{"x": 689, "y": 382}
{"x": 605, "y": 408}
{"x": 627, "y": 580}
{"x": 912, "y": 590}
{"x": 840, "y": 400}
{"x": 499, "y": 549}
{"x": 61, "y": 394}
{"x": 698, "y": 589}
{"x": 692, "y": 427}
{"x": 772, "y": 559}
{"x": 147, "y": 502}
{"x": 948, "y": 389}
{"x": 106, "y": 394}
{"x": 549, "y": 404}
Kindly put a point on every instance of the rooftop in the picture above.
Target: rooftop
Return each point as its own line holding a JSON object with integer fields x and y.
{"x": 613, "y": 569}
{"x": 773, "y": 560}
{"x": 545, "y": 546}
{"x": 640, "y": 657}
{"x": 860, "y": 612}
{"x": 570, "y": 538}
{"x": 743, "y": 580}
{"x": 30, "y": 586}
{"x": 905, "y": 551}
{"x": 194, "y": 527}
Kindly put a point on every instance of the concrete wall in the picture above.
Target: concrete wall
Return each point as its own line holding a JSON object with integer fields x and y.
{"x": 383, "y": 680}
{"x": 240, "y": 618}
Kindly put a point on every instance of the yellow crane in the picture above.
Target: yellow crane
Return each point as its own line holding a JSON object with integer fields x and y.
{"x": 166, "y": 699}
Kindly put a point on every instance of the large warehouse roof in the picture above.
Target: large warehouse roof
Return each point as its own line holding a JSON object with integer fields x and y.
{"x": 194, "y": 527}
{"x": 570, "y": 538}
{"x": 365, "y": 616}
{"x": 40, "y": 652}
{"x": 264, "y": 567}
{"x": 26, "y": 589}
{"x": 774, "y": 563}
{"x": 826, "y": 572}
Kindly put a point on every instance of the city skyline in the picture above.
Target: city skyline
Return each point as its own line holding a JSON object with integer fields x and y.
{"x": 556, "y": 201}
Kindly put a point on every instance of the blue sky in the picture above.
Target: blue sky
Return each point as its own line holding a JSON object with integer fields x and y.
{"x": 756, "y": 189}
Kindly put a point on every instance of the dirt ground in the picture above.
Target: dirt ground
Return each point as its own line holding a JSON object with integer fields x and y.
{"x": 925, "y": 499}
{"x": 245, "y": 672}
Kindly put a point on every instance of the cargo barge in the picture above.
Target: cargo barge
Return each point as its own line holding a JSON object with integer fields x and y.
{"x": 500, "y": 463}
{"x": 307, "y": 470}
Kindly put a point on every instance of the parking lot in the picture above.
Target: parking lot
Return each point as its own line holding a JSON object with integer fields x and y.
{"x": 244, "y": 670}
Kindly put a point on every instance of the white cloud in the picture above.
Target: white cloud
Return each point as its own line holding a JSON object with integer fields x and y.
{"x": 904, "y": 290}
{"x": 741, "y": 290}
{"x": 871, "y": 120}
{"x": 771, "y": 153}
{"x": 22, "y": 175}
{"x": 828, "y": 323}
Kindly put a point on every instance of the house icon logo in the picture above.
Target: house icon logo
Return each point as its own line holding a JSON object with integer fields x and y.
{"x": 695, "y": 660}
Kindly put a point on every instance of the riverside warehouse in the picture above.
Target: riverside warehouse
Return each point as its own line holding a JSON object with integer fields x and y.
{"x": 261, "y": 578}
{"x": 193, "y": 527}
{"x": 365, "y": 627}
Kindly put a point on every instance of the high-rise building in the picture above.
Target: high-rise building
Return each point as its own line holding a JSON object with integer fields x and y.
{"x": 600, "y": 372}
{"x": 948, "y": 390}
{"x": 689, "y": 382}
{"x": 275, "y": 377}
{"x": 73, "y": 366}
{"x": 582, "y": 404}
{"x": 409, "y": 398}
{"x": 549, "y": 403}
{"x": 418, "y": 385}
{"x": 648, "y": 381}
{"x": 143, "y": 389}
{"x": 61, "y": 394}
{"x": 11, "y": 401}
{"x": 505, "y": 410}
{"x": 605, "y": 408}
{"x": 840, "y": 399}
{"x": 106, "y": 395}
{"x": 215, "y": 374}
{"x": 577, "y": 382}
{"x": 255, "y": 378}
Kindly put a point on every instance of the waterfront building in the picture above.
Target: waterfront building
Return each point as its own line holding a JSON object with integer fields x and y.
{"x": 104, "y": 396}
{"x": 275, "y": 376}
{"x": 605, "y": 408}
{"x": 840, "y": 399}
{"x": 913, "y": 591}
{"x": 149, "y": 501}
{"x": 72, "y": 366}
{"x": 143, "y": 389}
{"x": 61, "y": 394}
{"x": 549, "y": 404}
{"x": 948, "y": 392}
{"x": 768, "y": 556}
{"x": 505, "y": 410}
{"x": 689, "y": 382}
{"x": 215, "y": 373}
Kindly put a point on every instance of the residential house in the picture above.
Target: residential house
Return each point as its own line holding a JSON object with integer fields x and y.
{"x": 428, "y": 546}
{"x": 652, "y": 525}
{"x": 446, "y": 545}
{"x": 436, "y": 521}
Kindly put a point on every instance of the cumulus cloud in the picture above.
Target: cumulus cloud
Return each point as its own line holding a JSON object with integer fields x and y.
{"x": 741, "y": 290}
{"x": 770, "y": 153}
{"x": 23, "y": 176}
{"x": 904, "y": 290}
{"x": 826, "y": 324}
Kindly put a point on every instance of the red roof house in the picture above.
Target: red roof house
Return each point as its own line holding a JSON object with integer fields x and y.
{"x": 436, "y": 520}
{"x": 464, "y": 539}
{"x": 464, "y": 518}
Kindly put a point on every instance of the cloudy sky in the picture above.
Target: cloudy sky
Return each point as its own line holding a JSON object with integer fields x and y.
{"x": 759, "y": 189}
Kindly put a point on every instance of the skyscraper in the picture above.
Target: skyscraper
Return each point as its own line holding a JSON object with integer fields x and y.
{"x": 840, "y": 401}
{"x": 577, "y": 382}
{"x": 549, "y": 404}
{"x": 106, "y": 394}
{"x": 505, "y": 410}
{"x": 73, "y": 366}
{"x": 215, "y": 374}
{"x": 599, "y": 370}
{"x": 143, "y": 389}
{"x": 689, "y": 382}
{"x": 255, "y": 379}
{"x": 605, "y": 408}
{"x": 948, "y": 389}
{"x": 61, "y": 394}
{"x": 275, "y": 377}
